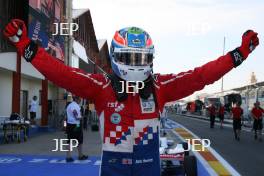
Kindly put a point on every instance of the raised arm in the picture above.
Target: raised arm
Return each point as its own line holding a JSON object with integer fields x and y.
{"x": 74, "y": 80}
{"x": 183, "y": 84}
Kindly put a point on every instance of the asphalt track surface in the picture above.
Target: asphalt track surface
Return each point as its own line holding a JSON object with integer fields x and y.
{"x": 43, "y": 144}
{"x": 246, "y": 155}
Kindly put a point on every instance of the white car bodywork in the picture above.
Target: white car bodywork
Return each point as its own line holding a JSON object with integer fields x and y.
{"x": 164, "y": 147}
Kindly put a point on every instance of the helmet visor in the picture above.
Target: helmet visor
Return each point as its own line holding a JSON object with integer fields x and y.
{"x": 134, "y": 59}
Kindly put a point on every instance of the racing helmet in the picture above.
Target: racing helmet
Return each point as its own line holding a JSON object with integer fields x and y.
{"x": 131, "y": 54}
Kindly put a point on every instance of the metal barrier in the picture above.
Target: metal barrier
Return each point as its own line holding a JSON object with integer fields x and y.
{"x": 12, "y": 129}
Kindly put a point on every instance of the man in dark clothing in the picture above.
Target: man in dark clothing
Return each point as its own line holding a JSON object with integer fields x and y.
{"x": 212, "y": 111}
{"x": 85, "y": 117}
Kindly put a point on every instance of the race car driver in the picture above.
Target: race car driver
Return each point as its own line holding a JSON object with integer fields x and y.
{"x": 129, "y": 121}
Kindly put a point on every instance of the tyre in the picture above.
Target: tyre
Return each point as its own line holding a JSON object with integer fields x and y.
{"x": 185, "y": 147}
{"x": 95, "y": 127}
{"x": 168, "y": 168}
{"x": 190, "y": 166}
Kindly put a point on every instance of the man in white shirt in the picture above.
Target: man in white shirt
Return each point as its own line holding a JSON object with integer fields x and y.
{"x": 33, "y": 109}
{"x": 74, "y": 129}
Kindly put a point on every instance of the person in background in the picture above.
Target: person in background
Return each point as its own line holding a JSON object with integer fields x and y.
{"x": 33, "y": 107}
{"x": 85, "y": 117}
{"x": 68, "y": 101}
{"x": 212, "y": 112}
{"x": 176, "y": 108}
{"x": 163, "y": 116}
{"x": 180, "y": 109}
{"x": 221, "y": 115}
{"x": 237, "y": 113}
{"x": 73, "y": 129}
{"x": 82, "y": 115}
{"x": 257, "y": 113}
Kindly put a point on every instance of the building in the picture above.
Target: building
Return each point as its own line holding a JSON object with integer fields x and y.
{"x": 104, "y": 56}
{"x": 97, "y": 53}
{"x": 20, "y": 81}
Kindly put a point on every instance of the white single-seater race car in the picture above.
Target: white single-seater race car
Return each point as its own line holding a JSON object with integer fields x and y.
{"x": 175, "y": 160}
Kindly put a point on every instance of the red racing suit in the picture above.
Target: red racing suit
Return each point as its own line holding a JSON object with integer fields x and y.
{"x": 130, "y": 129}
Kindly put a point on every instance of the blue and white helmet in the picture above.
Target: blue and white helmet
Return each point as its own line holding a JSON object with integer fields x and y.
{"x": 132, "y": 54}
